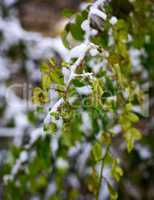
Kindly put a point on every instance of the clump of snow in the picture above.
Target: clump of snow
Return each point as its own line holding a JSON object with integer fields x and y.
{"x": 61, "y": 163}
{"x": 23, "y": 156}
{"x": 94, "y": 52}
{"x": 83, "y": 5}
{"x": 113, "y": 20}
{"x": 78, "y": 51}
{"x": 97, "y": 12}
{"x": 85, "y": 90}
{"x": 85, "y": 25}
{"x": 86, "y": 126}
{"x": 94, "y": 32}
{"x": 66, "y": 73}
{"x": 135, "y": 58}
{"x": 86, "y": 148}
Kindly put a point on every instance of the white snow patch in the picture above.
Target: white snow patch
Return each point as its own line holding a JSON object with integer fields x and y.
{"x": 94, "y": 52}
{"x": 78, "y": 51}
{"x": 85, "y": 90}
{"x": 85, "y": 25}
{"x": 97, "y": 12}
{"x": 113, "y": 20}
{"x": 86, "y": 126}
{"x": 61, "y": 163}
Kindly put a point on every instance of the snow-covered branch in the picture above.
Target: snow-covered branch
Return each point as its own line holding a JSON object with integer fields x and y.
{"x": 71, "y": 77}
{"x": 83, "y": 48}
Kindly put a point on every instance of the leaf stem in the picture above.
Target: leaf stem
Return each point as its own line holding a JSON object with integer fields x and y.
{"x": 101, "y": 171}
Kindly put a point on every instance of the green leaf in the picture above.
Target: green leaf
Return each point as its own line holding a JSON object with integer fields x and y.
{"x": 40, "y": 96}
{"x": 40, "y": 109}
{"x": 128, "y": 107}
{"x": 50, "y": 128}
{"x": 96, "y": 153}
{"x": 106, "y": 138}
{"x": 46, "y": 81}
{"x": 116, "y": 171}
{"x": 131, "y": 136}
{"x": 75, "y": 28}
{"x": 108, "y": 159}
{"x": 77, "y": 32}
{"x": 65, "y": 38}
{"x": 124, "y": 122}
{"x": 77, "y": 83}
{"x": 57, "y": 77}
{"x": 93, "y": 183}
{"x": 119, "y": 74}
{"x": 113, "y": 193}
{"x": 32, "y": 117}
{"x": 132, "y": 117}
{"x": 44, "y": 68}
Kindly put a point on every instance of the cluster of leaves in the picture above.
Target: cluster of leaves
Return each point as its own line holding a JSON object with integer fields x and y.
{"x": 105, "y": 70}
